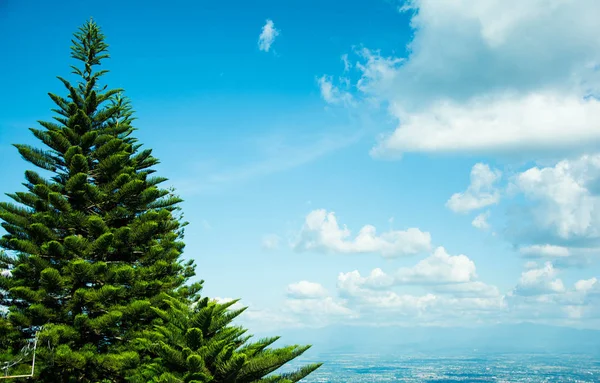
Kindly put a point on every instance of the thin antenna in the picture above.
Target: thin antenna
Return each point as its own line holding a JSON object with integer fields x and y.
{"x": 34, "y": 348}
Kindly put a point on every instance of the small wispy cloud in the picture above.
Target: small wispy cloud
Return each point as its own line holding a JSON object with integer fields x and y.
{"x": 274, "y": 158}
{"x": 480, "y": 193}
{"x": 346, "y": 62}
{"x": 481, "y": 221}
{"x": 290, "y": 158}
{"x": 267, "y": 36}
{"x": 333, "y": 94}
{"x": 206, "y": 225}
{"x": 271, "y": 242}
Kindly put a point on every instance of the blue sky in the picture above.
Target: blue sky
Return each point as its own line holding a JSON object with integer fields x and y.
{"x": 379, "y": 162}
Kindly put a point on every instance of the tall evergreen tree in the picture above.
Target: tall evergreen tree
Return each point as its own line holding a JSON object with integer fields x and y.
{"x": 94, "y": 247}
{"x": 94, "y": 244}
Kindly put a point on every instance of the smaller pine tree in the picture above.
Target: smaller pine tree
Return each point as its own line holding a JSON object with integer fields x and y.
{"x": 197, "y": 344}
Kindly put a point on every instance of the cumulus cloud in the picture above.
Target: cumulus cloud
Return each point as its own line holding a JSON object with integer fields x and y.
{"x": 586, "y": 285}
{"x": 450, "y": 294}
{"x": 447, "y": 298}
{"x": 506, "y": 122}
{"x": 471, "y": 82}
{"x": 472, "y": 289}
{"x": 360, "y": 290}
{"x": 441, "y": 301}
{"x": 321, "y": 232}
{"x": 352, "y": 283}
{"x": 403, "y": 304}
{"x": 311, "y": 304}
{"x": 295, "y": 312}
{"x": 323, "y": 310}
{"x": 481, "y": 221}
{"x": 439, "y": 268}
{"x": 531, "y": 265}
{"x": 480, "y": 193}
{"x": 544, "y": 251}
{"x": 574, "y": 312}
{"x": 565, "y": 197}
{"x": 541, "y": 295}
{"x": 267, "y": 36}
{"x": 268, "y": 319}
{"x": 306, "y": 290}
{"x": 539, "y": 281}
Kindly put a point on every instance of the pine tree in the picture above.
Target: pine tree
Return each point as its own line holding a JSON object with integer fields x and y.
{"x": 93, "y": 257}
{"x": 93, "y": 245}
{"x": 197, "y": 343}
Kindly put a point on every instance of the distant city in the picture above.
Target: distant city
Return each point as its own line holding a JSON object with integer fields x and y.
{"x": 501, "y": 368}
{"x": 504, "y": 353}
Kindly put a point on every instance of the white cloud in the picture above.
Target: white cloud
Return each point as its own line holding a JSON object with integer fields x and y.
{"x": 548, "y": 251}
{"x": 268, "y": 320}
{"x": 565, "y": 197}
{"x": 360, "y": 290}
{"x": 439, "y": 302}
{"x": 270, "y": 242}
{"x": 401, "y": 303}
{"x": 480, "y": 221}
{"x": 5, "y": 273}
{"x": 267, "y": 36}
{"x": 306, "y": 290}
{"x": 377, "y": 279}
{"x": 478, "y": 306}
{"x": 475, "y": 289}
{"x": 331, "y": 93}
{"x": 346, "y": 62}
{"x": 586, "y": 284}
{"x": 448, "y": 298}
{"x": 531, "y": 265}
{"x": 574, "y": 312}
{"x": 351, "y": 283}
{"x": 490, "y": 76}
{"x": 539, "y": 282}
{"x": 540, "y": 295}
{"x": 295, "y": 312}
{"x": 480, "y": 193}
{"x": 310, "y": 304}
{"x": 444, "y": 273}
{"x": 504, "y": 122}
{"x": 321, "y": 232}
{"x": 354, "y": 284}
{"x": 327, "y": 308}
{"x": 439, "y": 268}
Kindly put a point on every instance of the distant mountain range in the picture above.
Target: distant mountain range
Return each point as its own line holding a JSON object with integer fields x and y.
{"x": 517, "y": 338}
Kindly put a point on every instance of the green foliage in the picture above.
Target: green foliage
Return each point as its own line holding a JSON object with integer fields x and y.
{"x": 92, "y": 256}
{"x": 197, "y": 343}
{"x": 91, "y": 247}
